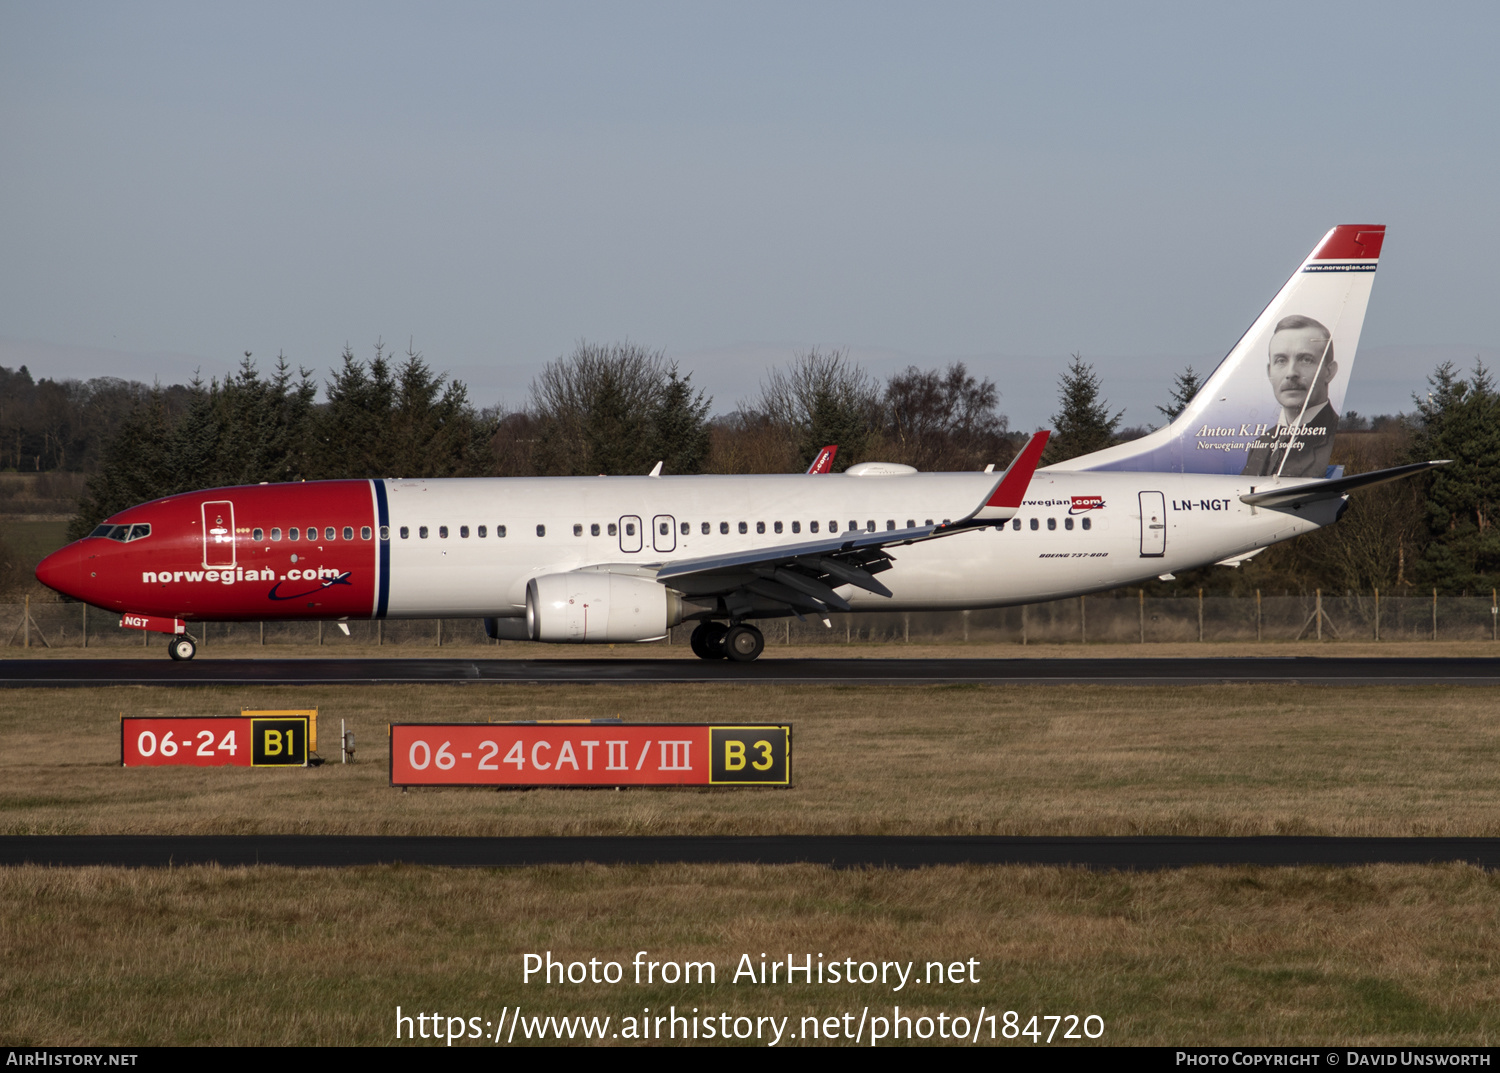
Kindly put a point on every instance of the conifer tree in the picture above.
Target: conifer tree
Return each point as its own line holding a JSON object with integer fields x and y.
{"x": 1083, "y": 423}
{"x": 1184, "y": 386}
{"x": 1460, "y": 419}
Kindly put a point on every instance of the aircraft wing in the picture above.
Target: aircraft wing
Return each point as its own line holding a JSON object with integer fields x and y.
{"x": 802, "y": 576}
{"x": 1311, "y": 491}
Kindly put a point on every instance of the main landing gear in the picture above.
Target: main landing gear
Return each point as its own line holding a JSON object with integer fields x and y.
{"x": 181, "y": 647}
{"x": 714, "y": 640}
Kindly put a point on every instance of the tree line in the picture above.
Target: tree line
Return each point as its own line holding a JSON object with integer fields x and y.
{"x": 621, "y": 408}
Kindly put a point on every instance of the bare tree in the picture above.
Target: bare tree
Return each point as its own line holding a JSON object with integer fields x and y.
{"x": 617, "y": 408}
{"x": 945, "y": 420}
{"x": 819, "y": 399}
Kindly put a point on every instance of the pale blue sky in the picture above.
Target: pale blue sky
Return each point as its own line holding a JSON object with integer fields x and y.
{"x": 1003, "y": 184}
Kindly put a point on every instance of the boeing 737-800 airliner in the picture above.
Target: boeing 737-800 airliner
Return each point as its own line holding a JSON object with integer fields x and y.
{"x": 613, "y": 559}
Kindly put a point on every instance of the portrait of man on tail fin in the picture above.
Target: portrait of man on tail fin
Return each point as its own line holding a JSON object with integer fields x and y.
{"x": 1300, "y": 366}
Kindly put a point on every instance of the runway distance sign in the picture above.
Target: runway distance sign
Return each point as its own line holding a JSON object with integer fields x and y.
{"x": 213, "y": 741}
{"x": 573, "y": 754}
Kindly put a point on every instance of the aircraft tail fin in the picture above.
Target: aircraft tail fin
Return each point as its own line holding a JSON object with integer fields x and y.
{"x": 824, "y": 462}
{"x": 1271, "y": 407}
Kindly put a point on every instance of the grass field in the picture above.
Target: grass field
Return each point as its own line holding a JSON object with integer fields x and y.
{"x": 1087, "y": 760}
{"x": 1381, "y": 955}
{"x": 1229, "y": 955}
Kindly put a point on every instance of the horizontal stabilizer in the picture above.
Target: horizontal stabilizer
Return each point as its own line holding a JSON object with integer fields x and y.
{"x": 1311, "y": 491}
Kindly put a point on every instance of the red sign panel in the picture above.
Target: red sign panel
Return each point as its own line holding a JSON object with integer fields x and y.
{"x": 213, "y": 741}
{"x": 532, "y": 754}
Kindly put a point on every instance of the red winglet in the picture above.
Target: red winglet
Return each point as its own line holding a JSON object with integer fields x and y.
{"x": 1012, "y": 487}
{"x": 824, "y": 462}
{"x": 1351, "y": 242}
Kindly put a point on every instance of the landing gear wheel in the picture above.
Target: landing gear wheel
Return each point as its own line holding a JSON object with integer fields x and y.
{"x": 743, "y": 643}
{"x": 181, "y": 647}
{"x": 707, "y": 640}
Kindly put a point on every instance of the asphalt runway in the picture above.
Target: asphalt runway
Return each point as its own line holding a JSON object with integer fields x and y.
{"x": 1284, "y": 670}
{"x": 1109, "y": 854}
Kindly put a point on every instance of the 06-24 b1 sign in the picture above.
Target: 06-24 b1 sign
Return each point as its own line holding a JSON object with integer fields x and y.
{"x": 591, "y": 754}
{"x": 214, "y": 741}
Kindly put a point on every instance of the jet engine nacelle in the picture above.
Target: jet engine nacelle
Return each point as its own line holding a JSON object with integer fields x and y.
{"x": 594, "y": 607}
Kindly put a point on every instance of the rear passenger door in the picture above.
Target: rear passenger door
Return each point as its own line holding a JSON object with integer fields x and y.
{"x": 1153, "y": 525}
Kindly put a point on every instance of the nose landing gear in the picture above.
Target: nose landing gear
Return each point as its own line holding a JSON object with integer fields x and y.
{"x": 181, "y": 647}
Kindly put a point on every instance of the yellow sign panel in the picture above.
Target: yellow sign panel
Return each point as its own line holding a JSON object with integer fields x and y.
{"x": 310, "y": 713}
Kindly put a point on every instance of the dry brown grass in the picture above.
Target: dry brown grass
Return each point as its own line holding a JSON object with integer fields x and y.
{"x": 1095, "y": 760}
{"x": 1384, "y": 955}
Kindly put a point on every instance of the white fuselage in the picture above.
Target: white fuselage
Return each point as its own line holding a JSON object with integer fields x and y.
{"x": 1202, "y": 521}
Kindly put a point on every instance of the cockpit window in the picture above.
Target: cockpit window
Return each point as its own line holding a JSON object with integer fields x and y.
{"x": 123, "y": 533}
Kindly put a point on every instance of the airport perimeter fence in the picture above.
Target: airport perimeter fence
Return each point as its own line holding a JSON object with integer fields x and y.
{"x": 1118, "y": 618}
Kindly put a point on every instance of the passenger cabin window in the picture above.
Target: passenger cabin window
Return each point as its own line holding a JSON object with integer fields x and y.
{"x": 687, "y": 528}
{"x": 744, "y": 528}
{"x": 724, "y": 528}
{"x": 760, "y": 527}
{"x": 422, "y": 532}
{"x": 796, "y": 527}
{"x": 890, "y": 525}
{"x": 1051, "y": 523}
{"x": 812, "y": 527}
{"x": 911, "y": 523}
{"x": 294, "y": 533}
{"x": 349, "y": 533}
{"x": 1035, "y": 525}
{"x": 1087, "y": 524}
{"x": 1068, "y": 523}
{"x": 312, "y": 533}
{"x": 777, "y": 527}
{"x": 405, "y": 533}
{"x": 630, "y": 528}
{"x": 258, "y": 535}
{"x": 666, "y": 528}
{"x": 612, "y": 529}
{"x": 482, "y": 532}
{"x": 707, "y": 528}
{"x": 499, "y": 530}
{"x": 594, "y": 529}
{"x": 275, "y": 533}
{"x": 463, "y": 532}
{"x": 870, "y": 526}
{"x": 328, "y": 534}
{"x": 442, "y": 532}
{"x": 1016, "y": 524}
{"x": 385, "y": 533}
{"x": 541, "y": 530}
{"x": 578, "y": 529}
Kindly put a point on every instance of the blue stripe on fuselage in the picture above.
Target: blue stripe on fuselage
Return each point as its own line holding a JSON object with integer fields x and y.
{"x": 383, "y": 537}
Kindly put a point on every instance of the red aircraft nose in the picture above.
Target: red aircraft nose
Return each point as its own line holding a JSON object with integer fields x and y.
{"x": 63, "y": 570}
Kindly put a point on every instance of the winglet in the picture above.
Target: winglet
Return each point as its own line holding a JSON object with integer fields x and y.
{"x": 824, "y": 462}
{"x": 1005, "y": 498}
